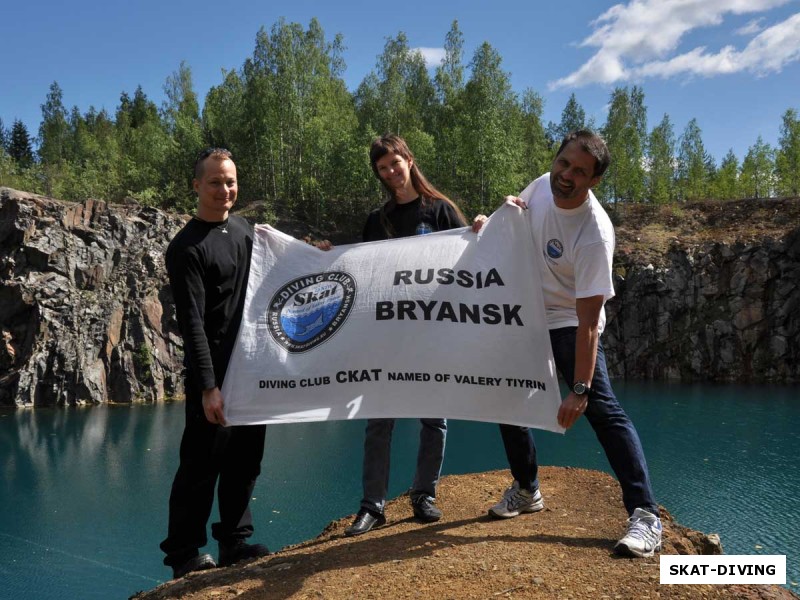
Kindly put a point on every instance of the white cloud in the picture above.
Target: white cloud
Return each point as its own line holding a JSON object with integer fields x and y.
{"x": 433, "y": 56}
{"x": 751, "y": 28}
{"x": 769, "y": 51}
{"x": 637, "y": 39}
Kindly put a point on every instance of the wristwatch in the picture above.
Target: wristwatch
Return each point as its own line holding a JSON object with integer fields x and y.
{"x": 580, "y": 388}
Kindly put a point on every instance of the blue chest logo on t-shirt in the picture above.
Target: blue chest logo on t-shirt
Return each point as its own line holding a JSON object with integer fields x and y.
{"x": 554, "y": 249}
{"x": 423, "y": 228}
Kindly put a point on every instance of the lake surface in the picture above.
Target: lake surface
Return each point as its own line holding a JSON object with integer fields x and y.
{"x": 83, "y": 498}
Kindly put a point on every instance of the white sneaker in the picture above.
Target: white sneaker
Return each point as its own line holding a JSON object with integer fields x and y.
{"x": 516, "y": 501}
{"x": 643, "y": 538}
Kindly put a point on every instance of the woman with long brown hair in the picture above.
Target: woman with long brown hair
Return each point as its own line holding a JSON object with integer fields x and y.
{"x": 414, "y": 207}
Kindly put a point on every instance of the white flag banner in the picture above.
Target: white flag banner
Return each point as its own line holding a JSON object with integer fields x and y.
{"x": 449, "y": 324}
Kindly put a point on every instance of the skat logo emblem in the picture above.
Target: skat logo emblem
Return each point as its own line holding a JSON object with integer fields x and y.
{"x": 554, "y": 249}
{"x": 308, "y": 310}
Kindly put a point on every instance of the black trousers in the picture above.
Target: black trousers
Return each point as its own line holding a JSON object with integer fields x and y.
{"x": 211, "y": 453}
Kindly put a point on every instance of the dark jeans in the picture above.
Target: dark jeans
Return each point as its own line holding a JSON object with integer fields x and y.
{"x": 377, "y": 451}
{"x": 209, "y": 453}
{"x": 613, "y": 428}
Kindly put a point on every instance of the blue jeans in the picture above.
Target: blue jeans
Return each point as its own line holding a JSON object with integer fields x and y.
{"x": 613, "y": 428}
{"x": 377, "y": 451}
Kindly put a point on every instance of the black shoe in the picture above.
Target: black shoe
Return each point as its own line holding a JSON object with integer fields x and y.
{"x": 425, "y": 509}
{"x": 201, "y": 562}
{"x": 365, "y": 521}
{"x": 233, "y": 552}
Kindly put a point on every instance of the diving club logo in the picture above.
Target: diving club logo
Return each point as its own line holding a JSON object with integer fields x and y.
{"x": 310, "y": 309}
{"x": 423, "y": 228}
{"x": 554, "y": 249}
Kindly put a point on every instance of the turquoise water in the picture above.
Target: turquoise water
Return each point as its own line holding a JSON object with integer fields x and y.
{"x": 84, "y": 492}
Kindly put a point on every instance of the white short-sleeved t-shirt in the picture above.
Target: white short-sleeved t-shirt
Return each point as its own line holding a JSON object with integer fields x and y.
{"x": 577, "y": 246}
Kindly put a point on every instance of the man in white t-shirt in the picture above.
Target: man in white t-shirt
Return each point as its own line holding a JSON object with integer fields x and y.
{"x": 576, "y": 240}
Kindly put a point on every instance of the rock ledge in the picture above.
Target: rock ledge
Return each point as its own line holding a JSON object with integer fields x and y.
{"x": 564, "y": 551}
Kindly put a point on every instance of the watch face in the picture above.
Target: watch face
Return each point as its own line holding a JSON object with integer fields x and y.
{"x": 579, "y": 388}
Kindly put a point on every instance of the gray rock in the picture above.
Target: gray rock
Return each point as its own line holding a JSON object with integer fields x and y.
{"x": 86, "y": 312}
{"x": 728, "y": 313}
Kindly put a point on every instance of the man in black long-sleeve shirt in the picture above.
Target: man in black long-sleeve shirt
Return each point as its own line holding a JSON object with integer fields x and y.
{"x": 208, "y": 262}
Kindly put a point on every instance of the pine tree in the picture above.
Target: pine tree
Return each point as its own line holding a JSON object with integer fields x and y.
{"x": 17, "y": 167}
{"x": 573, "y": 117}
{"x": 19, "y": 147}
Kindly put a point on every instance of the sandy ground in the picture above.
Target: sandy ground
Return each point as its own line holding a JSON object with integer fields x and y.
{"x": 565, "y": 551}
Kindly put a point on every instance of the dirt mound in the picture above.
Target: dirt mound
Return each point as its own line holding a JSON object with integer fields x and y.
{"x": 564, "y": 551}
{"x": 645, "y": 232}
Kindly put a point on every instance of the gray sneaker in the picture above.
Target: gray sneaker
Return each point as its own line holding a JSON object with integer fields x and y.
{"x": 643, "y": 538}
{"x": 516, "y": 501}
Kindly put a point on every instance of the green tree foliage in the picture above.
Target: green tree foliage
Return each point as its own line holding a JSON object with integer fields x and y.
{"x": 625, "y": 133}
{"x": 573, "y": 117}
{"x": 449, "y": 83}
{"x": 181, "y": 117}
{"x": 5, "y": 137}
{"x": 223, "y": 112}
{"x": 787, "y": 160}
{"x": 54, "y": 148}
{"x": 695, "y": 165}
{"x": 491, "y": 133}
{"x": 77, "y": 153}
{"x": 300, "y": 137}
{"x": 726, "y": 180}
{"x": 538, "y": 153}
{"x": 399, "y": 95}
{"x": 144, "y": 148}
{"x": 91, "y": 169}
{"x": 757, "y": 175}
{"x": 17, "y": 167}
{"x": 54, "y": 130}
{"x": 660, "y": 175}
{"x": 19, "y": 146}
{"x": 300, "y": 123}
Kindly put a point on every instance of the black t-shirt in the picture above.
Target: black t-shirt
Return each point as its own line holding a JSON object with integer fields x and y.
{"x": 208, "y": 264}
{"x": 412, "y": 218}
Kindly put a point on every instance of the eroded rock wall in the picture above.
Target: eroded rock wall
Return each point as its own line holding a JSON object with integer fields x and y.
{"x": 714, "y": 312}
{"x": 86, "y": 313}
{"x": 85, "y": 310}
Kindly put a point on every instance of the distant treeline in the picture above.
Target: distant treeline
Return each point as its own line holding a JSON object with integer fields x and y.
{"x": 300, "y": 138}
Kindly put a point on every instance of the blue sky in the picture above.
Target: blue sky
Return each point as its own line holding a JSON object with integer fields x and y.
{"x": 732, "y": 64}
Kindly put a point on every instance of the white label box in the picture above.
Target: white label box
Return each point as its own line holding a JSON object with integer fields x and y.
{"x": 723, "y": 569}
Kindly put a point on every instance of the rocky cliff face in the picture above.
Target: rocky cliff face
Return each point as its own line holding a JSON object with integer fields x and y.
{"x": 86, "y": 314}
{"x": 719, "y": 309}
{"x": 85, "y": 311}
